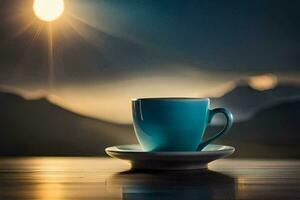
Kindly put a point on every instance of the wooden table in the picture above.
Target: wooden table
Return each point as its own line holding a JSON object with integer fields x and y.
{"x": 52, "y": 178}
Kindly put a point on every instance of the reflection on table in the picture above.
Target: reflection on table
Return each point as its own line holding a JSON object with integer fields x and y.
{"x": 179, "y": 185}
{"x": 53, "y": 178}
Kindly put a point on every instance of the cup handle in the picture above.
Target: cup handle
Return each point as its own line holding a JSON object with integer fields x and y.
{"x": 229, "y": 119}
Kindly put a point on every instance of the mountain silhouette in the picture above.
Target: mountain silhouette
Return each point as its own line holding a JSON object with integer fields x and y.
{"x": 245, "y": 101}
{"x": 37, "y": 127}
{"x": 271, "y": 132}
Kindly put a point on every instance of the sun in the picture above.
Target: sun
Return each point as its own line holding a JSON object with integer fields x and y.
{"x": 48, "y": 10}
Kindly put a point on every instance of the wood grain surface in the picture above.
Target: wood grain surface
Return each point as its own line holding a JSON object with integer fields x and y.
{"x": 61, "y": 178}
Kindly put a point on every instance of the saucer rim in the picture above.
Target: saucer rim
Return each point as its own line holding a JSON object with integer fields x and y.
{"x": 169, "y": 99}
{"x": 114, "y": 149}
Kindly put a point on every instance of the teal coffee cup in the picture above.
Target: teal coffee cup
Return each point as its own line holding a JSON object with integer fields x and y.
{"x": 175, "y": 124}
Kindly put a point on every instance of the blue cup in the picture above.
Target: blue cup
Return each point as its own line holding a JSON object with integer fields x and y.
{"x": 174, "y": 124}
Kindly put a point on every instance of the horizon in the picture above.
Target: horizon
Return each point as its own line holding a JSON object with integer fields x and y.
{"x": 256, "y": 85}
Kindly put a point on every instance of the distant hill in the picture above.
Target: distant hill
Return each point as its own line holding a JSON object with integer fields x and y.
{"x": 37, "y": 127}
{"x": 40, "y": 128}
{"x": 271, "y": 132}
{"x": 245, "y": 101}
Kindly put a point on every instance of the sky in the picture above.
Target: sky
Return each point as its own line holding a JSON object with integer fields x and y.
{"x": 104, "y": 52}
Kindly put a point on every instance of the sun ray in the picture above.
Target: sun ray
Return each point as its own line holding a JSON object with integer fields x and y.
{"x": 51, "y": 72}
{"x": 27, "y": 52}
{"x": 82, "y": 33}
{"x": 91, "y": 26}
{"x": 24, "y": 28}
{"x": 74, "y": 17}
{"x": 77, "y": 29}
{"x": 37, "y": 33}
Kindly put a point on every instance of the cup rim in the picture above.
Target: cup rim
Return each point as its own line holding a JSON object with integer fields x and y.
{"x": 170, "y": 99}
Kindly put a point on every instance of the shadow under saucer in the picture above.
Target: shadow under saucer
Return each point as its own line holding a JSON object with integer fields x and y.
{"x": 195, "y": 184}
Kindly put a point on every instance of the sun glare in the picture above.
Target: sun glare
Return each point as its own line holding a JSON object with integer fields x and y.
{"x": 48, "y": 10}
{"x": 263, "y": 82}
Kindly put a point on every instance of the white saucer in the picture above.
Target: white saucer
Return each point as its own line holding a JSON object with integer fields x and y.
{"x": 140, "y": 159}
